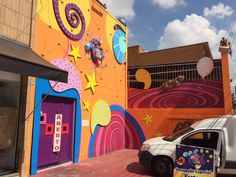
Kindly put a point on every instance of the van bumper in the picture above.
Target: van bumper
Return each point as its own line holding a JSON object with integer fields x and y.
{"x": 145, "y": 158}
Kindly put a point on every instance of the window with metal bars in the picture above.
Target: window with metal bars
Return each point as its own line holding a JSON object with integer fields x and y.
{"x": 163, "y": 73}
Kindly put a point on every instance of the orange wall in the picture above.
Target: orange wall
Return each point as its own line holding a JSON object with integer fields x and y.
{"x": 226, "y": 80}
{"x": 164, "y": 120}
{"x": 51, "y": 43}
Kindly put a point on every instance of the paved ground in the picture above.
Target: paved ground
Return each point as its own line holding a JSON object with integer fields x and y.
{"x": 122, "y": 163}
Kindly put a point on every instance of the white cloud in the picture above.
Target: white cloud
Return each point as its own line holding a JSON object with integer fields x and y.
{"x": 196, "y": 29}
{"x": 121, "y": 8}
{"x": 218, "y": 11}
{"x": 167, "y": 4}
{"x": 193, "y": 29}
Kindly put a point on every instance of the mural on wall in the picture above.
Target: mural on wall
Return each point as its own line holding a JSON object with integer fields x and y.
{"x": 119, "y": 45}
{"x": 148, "y": 119}
{"x": 95, "y": 50}
{"x": 122, "y": 132}
{"x": 74, "y": 80}
{"x": 80, "y": 37}
{"x": 74, "y": 17}
{"x": 144, "y": 76}
{"x": 180, "y": 86}
{"x": 87, "y": 105}
{"x": 92, "y": 83}
{"x": 205, "y": 66}
{"x": 101, "y": 115}
{"x": 44, "y": 124}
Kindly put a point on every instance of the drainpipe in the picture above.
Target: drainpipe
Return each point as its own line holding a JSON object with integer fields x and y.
{"x": 31, "y": 23}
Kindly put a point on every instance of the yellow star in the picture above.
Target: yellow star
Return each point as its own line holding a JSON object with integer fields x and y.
{"x": 92, "y": 83}
{"x": 158, "y": 134}
{"x": 148, "y": 119}
{"x": 86, "y": 105}
{"x": 75, "y": 53}
{"x": 210, "y": 156}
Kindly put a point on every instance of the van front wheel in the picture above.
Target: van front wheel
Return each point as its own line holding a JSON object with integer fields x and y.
{"x": 162, "y": 167}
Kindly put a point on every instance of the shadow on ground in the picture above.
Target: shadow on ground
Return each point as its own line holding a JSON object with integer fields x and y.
{"x": 136, "y": 168}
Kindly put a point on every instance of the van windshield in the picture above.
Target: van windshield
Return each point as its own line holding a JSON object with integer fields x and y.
{"x": 178, "y": 134}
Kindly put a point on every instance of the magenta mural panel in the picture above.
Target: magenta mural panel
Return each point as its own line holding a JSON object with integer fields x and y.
{"x": 119, "y": 134}
{"x": 194, "y": 94}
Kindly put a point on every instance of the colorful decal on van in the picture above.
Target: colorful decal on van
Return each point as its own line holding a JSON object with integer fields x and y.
{"x": 194, "y": 161}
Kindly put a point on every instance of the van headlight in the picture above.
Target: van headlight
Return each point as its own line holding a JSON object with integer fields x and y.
{"x": 145, "y": 147}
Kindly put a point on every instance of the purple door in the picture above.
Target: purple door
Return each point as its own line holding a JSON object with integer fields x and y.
{"x": 51, "y": 106}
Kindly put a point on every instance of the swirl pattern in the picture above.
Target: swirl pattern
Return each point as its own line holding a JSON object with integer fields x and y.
{"x": 208, "y": 94}
{"x": 119, "y": 134}
{"x": 74, "y": 17}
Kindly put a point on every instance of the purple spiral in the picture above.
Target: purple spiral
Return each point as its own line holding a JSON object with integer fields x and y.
{"x": 74, "y": 19}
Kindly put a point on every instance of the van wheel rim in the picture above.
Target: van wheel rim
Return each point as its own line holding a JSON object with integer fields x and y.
{"x": 161, "y": 167}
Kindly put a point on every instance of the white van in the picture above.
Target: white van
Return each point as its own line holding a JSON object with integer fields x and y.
{"x": 219, "y": 134}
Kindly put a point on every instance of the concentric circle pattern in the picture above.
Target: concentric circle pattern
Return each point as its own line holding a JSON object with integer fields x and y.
{"x": 119, "y": 46}
{"x": 119, "y": 134}
{"x": 198, "y": 94}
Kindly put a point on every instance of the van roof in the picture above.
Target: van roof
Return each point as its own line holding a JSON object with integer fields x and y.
{"x": 214, "y": 123}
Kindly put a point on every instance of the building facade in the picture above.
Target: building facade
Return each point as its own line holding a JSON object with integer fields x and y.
{"x": 164, "y": 72}
{"x": 64, "y": 88}
{"x": 170, "y": 89}
{"x": 64, "y": 119}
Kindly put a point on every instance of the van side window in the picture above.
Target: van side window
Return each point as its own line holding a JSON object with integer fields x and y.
{"x": 202, "y": 139}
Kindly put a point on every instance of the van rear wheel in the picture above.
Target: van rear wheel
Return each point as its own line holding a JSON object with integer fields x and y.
{"x": 162, "y": 167}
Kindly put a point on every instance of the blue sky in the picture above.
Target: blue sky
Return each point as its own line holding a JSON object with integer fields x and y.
{"x": 158, "y": 24}
{"x": 150, "y": 20}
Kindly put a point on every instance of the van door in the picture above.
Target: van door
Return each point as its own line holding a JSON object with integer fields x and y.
{"x": 207, "y": 139}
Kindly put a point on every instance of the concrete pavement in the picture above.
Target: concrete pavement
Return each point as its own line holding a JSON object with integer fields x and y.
{"x": 123, "y": 163}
